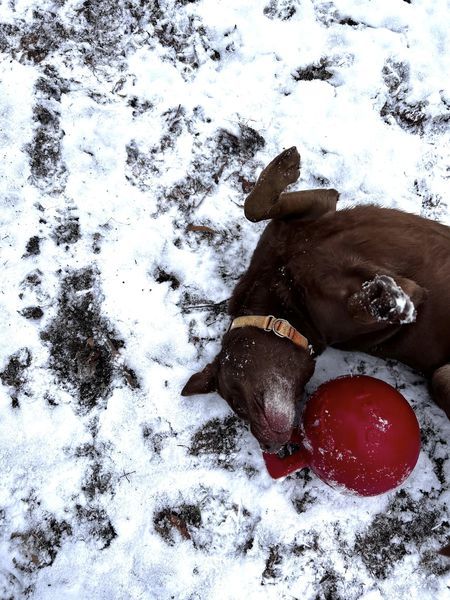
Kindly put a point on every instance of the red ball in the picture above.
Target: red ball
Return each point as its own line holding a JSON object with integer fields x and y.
{"x": 357, "y": 432}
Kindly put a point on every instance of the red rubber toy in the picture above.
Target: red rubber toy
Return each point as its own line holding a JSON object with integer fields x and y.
{"x": 357, "y": 432}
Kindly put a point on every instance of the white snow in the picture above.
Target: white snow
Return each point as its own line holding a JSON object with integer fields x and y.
{"x": 104, "y": 503}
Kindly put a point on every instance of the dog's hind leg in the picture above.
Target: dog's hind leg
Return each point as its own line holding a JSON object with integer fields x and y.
{"x": 440, "y": 386}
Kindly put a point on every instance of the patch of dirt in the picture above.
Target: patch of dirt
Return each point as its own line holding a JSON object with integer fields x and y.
{"x": 33, "y": 313}
{"x": 162, "y": 276}
{"x": 225, "y": 153}
{"x": 274, "y": 559}
{"x": 320, "y": 70}
{"x": 9, "y": 37}
{"x": 139, "y": 106}
{"x": 309, "y": 544}
{"x": 104, "y": 32}
{"x": 97, "y": 524}
{"x": 33, "y": 246}
{"x": 67, "y": 231}
{"x": 42, "y": 36}
{"x": 430, "y": 202}
{"x": 48, "y": 171}
{"x": 14, "y": 376}
{"x": 82, "y": 344}
{"x": 280, "y": 9}
{"x": 329, "y": 586}
{"x": 50, "y": 87}
{"x": 245, "y": 144}
{"x": 145, "y": 163}
{"x": 155, "y": 435}
{"x": 38, "y": 545}
{"x": 185, "y": 41}
{"x": 434, "y": 564}
{"x": 218, "y": 440}
{"x": 412, "y": 116}
{"x": 328, "y": 15}
{"x": 388, "y": 538}
{"x": 196, "y": 339}
{"x": 98, "y": 479}
{"x": 140, "y": 166}
{"x": 302, "y": 503}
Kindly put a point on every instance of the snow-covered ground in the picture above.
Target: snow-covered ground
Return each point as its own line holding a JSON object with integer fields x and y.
{"x": 130, "y": 132}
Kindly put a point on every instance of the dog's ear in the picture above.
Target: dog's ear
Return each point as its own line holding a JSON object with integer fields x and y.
{"x": 385, "y": 299}
{"x": 202, "y": 382}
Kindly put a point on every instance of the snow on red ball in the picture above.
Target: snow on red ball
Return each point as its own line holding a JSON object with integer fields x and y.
{"x": 357, "y": 432}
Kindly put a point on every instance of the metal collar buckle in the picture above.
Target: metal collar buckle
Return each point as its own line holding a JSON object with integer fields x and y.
{"x": 275, "y": 325}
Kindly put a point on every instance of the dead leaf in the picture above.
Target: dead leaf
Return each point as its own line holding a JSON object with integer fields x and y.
{"x": 180, "y": 525}
{"x": 200, "y": 228}
{"x": 246, "y": 185}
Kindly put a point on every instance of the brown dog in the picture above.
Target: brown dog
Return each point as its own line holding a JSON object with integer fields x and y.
{"x": 368, "y": 278}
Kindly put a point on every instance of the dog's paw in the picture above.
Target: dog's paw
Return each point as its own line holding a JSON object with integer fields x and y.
{"x": 388, "y": 301}
{"x": 382, "y": 299}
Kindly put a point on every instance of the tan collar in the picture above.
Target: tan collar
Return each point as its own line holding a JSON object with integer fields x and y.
{"x": 280, "y": 327}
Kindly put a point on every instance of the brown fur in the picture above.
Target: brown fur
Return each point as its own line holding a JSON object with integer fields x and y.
{"x": 335, "y": 276}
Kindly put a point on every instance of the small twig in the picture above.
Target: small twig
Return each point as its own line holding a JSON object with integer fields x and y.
{"x": 126, "y": 475}
{"x": 218, "y": 174}
{"x": 208, "y": 306}
{"x": 111, "y": 347}
{"x": 203, "y": 197}
{"x": 177, "y": 114}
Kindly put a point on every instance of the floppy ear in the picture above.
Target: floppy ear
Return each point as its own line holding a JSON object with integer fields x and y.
{"x": 202, "y": 382}
{"x": 385, "y": 299}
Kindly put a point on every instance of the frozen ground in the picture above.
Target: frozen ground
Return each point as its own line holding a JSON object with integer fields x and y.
{"x": 130, "y": 132}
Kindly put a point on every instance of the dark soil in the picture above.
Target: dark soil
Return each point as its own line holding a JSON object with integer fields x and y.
{"x": 413, "y": 117}
{"x": 162, "y": 276}
{"x": 223, "y": 152}
{"x": 38, "y": 544}
{"x": 33, "y": 313}
{"x": 321, "y": 71}
{"x": 48, "y": 171}
{"x": 67, "y": 231}
{"x": 390, "y": 535}
{"x": 83, "y": 345}
{"x": 273, "y": 560}
{"x": 218, "y": 440}
{"x": 33, "y": 246}
{"x": 14, "y": 374}
{"x": 280, "y": 9}
{"x": 97, "y": 524}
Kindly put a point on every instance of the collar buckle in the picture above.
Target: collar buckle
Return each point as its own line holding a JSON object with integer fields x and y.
{"x": 279, "y": 327}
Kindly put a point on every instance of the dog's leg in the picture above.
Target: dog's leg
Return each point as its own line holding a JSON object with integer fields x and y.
{"x": 440, "y": 386}
{"x": 266, "y": 200}
{"x": 306, "y": 204}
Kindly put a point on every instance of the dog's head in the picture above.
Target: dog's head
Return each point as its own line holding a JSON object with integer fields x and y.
{"x": 262, "y": 378}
